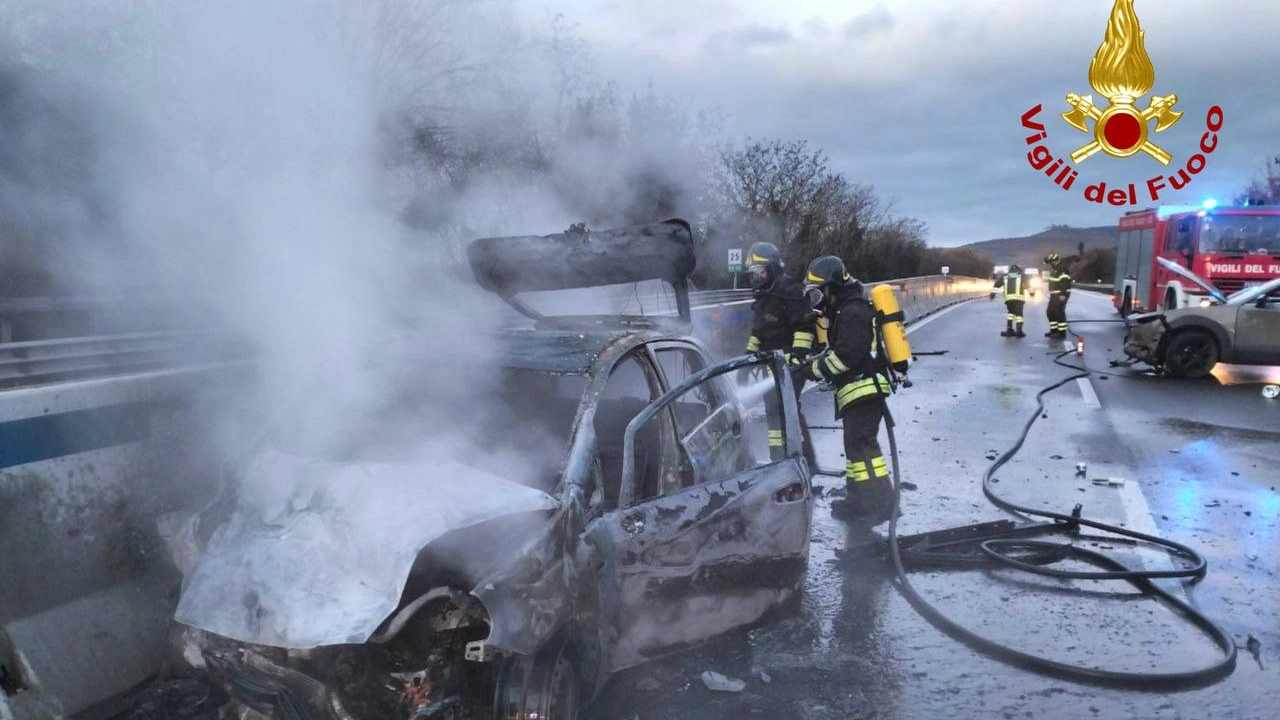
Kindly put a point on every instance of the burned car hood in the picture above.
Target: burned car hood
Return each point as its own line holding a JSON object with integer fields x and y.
{"x": 317, "y": 552}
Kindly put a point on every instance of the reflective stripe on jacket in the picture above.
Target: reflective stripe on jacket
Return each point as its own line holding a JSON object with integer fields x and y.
{"x": 1059, "y": 283}
{"x": 1013, "y": 288}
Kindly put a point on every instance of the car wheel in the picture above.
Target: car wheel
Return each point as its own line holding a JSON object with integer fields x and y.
{"x": 1191, "y": 354}
{"x": 545, "y": 686}
{"x": 1126, "y": 305}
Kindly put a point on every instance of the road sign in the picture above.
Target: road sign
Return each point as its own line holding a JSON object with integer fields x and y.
{"x": 735, "y": 260}
{"x": 946, "y": 269}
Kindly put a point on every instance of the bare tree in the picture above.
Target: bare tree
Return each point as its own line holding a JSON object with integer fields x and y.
{"x": 1263, "y": 189}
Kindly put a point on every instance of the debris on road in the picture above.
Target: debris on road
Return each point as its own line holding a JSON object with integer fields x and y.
{"x": 1108, "y": 481}
{"x": 760, "y": 672}
{"x": 720, "y": 683}
{"x": 1254, "y": 646}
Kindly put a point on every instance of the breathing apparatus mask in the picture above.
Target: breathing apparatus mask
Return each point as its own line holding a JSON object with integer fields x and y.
{"x": 758, "y": 276}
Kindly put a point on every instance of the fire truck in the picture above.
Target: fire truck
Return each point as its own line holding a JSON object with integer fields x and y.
{"x": 1230, "y": 247}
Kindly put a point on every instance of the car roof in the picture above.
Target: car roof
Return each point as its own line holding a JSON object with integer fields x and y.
{"x": 574, "y": 348}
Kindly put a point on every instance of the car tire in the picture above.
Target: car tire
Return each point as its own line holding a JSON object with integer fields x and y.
{"x": 1191, "y": 354}
{"x": 1126, "y": 304}
{"x": 546, "y": 686}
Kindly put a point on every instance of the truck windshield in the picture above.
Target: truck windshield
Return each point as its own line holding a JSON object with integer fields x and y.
{"x": 1240, "y": 234}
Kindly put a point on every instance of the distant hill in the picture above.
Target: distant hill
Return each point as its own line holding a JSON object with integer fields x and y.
{"x": 1029, "y": 251}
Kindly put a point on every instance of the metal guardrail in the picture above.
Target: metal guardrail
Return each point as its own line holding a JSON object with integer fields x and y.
{"x": 1096, "y": 287}
{"x": 46, "y": 318}
{"x": 706, "y": 298}
{"x": 39, "y": 361}
{"x": 35, "y": 362}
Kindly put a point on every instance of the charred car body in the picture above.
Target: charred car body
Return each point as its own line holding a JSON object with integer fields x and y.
{"x": 1243, "y": 328}
{"x": 627, "y": 506}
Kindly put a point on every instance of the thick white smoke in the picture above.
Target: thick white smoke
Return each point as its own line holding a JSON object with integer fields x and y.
{"x": 308, "y": 169}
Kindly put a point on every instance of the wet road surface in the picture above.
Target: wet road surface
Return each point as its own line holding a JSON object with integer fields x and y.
{"x": 1199, "y": 465}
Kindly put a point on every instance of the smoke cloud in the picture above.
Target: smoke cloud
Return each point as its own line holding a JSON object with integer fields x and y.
{"x": 309, "y": 169}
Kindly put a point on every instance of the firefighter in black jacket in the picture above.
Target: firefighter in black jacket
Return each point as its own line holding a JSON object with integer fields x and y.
{"x": 781, "y": 320}
{"x": 1059, "y": 282}
{"x": 858, "y": 369}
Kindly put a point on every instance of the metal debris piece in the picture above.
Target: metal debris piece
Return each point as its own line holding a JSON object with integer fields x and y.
{"x": 720, "y": 683}
{"x": 1254, "y": 646}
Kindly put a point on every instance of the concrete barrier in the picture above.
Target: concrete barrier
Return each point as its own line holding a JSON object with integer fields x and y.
{"x": 86, "y": 586}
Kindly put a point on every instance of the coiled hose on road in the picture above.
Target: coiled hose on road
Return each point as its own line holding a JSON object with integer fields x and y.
{"x": 1142, "y": 579}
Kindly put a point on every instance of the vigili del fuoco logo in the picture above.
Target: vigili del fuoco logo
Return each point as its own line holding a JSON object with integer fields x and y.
{"x": 1122, "y": 73}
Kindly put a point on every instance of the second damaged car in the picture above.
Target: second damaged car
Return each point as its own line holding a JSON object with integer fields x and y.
{"x": 1243, "y": 328}
{"x": 606, "y": 496}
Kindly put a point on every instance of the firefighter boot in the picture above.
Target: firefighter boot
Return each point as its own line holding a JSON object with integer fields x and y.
{"x": 845, "y": 508}
{"x": 1008, "y": 329}
{"x": 875, "y": 500}
{"x": 1018, "y": 332}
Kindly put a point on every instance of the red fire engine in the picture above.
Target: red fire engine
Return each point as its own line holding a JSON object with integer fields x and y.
{"x": 1230, "y": 247}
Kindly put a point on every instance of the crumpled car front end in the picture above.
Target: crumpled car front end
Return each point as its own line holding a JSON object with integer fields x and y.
{"x": 1143, "y": 336}
{"x": 344, "y": 590}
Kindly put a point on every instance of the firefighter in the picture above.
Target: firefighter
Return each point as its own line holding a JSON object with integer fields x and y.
{"x": 854, "y": 364}
{"x": 1014, "y": 300}
{"x": 781, "y": 320}
{"x": 1059, "y": 283}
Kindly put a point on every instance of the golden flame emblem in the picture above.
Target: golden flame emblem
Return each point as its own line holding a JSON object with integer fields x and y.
{"x": 1121, "y": 72}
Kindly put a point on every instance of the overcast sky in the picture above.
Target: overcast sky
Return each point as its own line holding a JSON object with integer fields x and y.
{"x": 923, "y": 98}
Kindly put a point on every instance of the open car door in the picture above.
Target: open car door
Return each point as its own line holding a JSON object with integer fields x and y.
{"x": 715, "y": 532}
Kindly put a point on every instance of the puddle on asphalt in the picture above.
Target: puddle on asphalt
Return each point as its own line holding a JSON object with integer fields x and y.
{"x": 1200, "y": 431}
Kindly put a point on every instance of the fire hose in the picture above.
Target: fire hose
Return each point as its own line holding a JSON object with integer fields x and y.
{"x": 1001, "y": 552}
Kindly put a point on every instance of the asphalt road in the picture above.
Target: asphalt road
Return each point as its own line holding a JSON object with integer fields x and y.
{"x": 1198, "y": 459}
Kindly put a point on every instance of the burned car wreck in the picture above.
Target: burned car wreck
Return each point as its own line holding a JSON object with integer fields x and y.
{"x": 1243, "y": 328}
{"x": 619, "y": 503}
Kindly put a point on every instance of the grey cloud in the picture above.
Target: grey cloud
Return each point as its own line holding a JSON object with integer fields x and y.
{"x": 815, "y": 28}
{"x": 877, "y": 20}
{"x": 943, "y": 136}
{"x": 748, "y": 38}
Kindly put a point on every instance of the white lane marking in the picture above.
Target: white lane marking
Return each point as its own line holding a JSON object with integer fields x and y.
{"x": 1136, "y": 509}
{"x": 1138, "y": 517}
{"x": 1086, "y": 387}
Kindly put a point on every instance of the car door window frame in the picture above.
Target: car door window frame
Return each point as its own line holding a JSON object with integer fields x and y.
{"x": 653, "y": 378}
{"x": 775, "y": 362}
